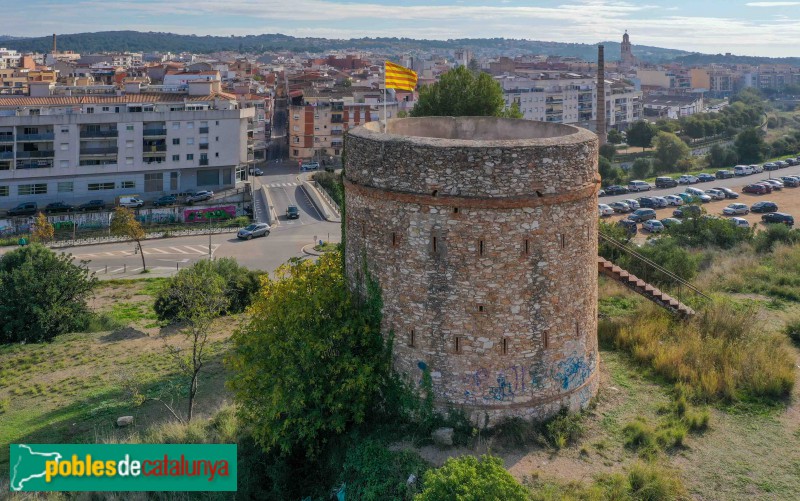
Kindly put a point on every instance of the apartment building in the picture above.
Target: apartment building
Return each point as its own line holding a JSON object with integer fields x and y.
{"x": 571, "y": 99}
{"x": 718, "y": 82}
{"x": 80, "y": 143}
{"x": 9, "y": 58}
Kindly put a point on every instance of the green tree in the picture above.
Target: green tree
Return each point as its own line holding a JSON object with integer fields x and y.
{"x": 669, "y": 150}
{"x": 609, "y": 173}
{"x": 717, "y": 156}
{"x": 473, "y": 65}
{"x": 459, "y": 93}
{"x": 42, "y": 230}
{"x": 641, "y": 168}
{"x": 512, "y": 111}
{"x": 750, "y": 145}
{"x": 124, "y": 224}
{"x": 311, "y": 361}
{"x": 641, "y": 134}
{"x": 42, "y": 294}
{"x": 608, "y": 151}
{"x": 468, "y": 479}
{"x": 614, "y": 136}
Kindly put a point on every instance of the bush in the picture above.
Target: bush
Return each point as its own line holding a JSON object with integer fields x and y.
{"x": 469, "y": 479}
{"x": 764, "y": 241}
{"x": 331, "y": 183}
{"x": 241, "y": 285}
{"x": 792, "y": 330}
{"x": 650, "y": 482}
{"x": 709, "y": 232}
{"x": 373, "y": 472}
{"x": 42, "y": 294}
{"x": 669, "y": 255}
{"x": 564, "y": 429}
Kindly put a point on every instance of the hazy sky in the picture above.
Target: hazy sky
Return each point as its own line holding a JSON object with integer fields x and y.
{"x": 742, "y": 27}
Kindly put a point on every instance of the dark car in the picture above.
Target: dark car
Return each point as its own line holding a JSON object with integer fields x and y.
{"x": 778, "y": 217}
{"x": 781, "y": 164}
{"x": 165, "y": 201}
{"x": 92, "y": 205}
{"x": 770, "y": 166}
{"x": 620, "y": 207}
{"x": 666, "y": 182}
{"x": 724, "y": 174}
{"x": 58, "y": 207}
{"x": 641, "y": 215}
{"x": 756, "y": 189}
{"x": 704, "y": 178}
{"x": 292, "y": 212}
{"x": 687, "y": 211}
{"x": 630, "y": 226}
{"x": 729, "y": 193}
{"x": 647, "y": 203}
{"x": 764, "y": 206}
{"x": 791, "y": 182}
{"x": 791, "y": 161}
{"x": 24, "y": 209}
{"x": 616, "y": 189}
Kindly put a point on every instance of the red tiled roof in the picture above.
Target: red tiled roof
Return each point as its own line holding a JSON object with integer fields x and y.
{"x": 12, "y": 101}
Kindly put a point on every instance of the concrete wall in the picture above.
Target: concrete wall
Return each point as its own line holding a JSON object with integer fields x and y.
{"x": 482, "y": 233}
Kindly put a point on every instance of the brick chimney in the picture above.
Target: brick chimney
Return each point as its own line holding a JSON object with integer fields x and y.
{"x": 601, "y": 96}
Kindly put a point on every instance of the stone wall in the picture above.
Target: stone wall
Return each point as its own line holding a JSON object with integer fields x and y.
{"x": 486, "y": 252}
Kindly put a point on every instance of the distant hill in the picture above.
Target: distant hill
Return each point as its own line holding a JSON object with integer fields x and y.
{"x": 171, "y": 42}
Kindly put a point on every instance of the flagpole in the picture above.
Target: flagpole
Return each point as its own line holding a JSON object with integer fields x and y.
{"x": 385, "y": 98}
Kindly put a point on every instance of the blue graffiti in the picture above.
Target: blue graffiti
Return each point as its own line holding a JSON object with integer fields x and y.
{"x": 573, "y": 371}
{"x": 502, "y": 391}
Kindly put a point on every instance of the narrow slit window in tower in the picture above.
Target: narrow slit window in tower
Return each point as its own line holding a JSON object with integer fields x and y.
{"x": 527, "y": 247}
{"x": 505, "y": 346}
{"x": 411, "y": 338}
{"x": 434, "y": 245}
{"x": 545, "y": 340}
{"x": 480, "y": 247}
{"x": 457, "y": 344}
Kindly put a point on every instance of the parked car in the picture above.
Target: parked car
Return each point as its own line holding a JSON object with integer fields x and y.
{"x": 770, "y": 166}
{"x": 757, "y": 169}
{"x": 768, "y": 186}
{"x": 791, "y": 161}
{"x": 743, "y": 170}
{"x": 605, "y": 210}
{"x": 776, "y": 185}
{"x": 633, "y": 204}
{"x": 254, "y": 230}
{"x": 256, "y": 172}
{"x": 628, "y": 225}
{"x": 704, "y": 178}
{"x": 698, "y": 195}
{"x": 764, "y": 206}
{"x": 601, "y": 193}
{"x": 666, "y": 182}
{"x": 687, "y": 211}
{"x": 200, "y": 196}
{"x": 724, "y": 174}
{"x": 292, "y": 212}
{"x": 715, "y": 194}
{"x": 309, "y": 166}
{"x": 56, "y": 207}
{"x": 640, "y": 215}
{"x": 778, "y": 217}
{"x": 24, "y": 209}
{"x": 647, "y": 202}
{"x": 130, "y": 202}
{"x": 687, "y": 198}
{"x": 729, "y": 193}
{"x": 165, "y": 201}
{"x": 653, "y": 226}
{"x": 756, "y": 189}
{"x": 688, "y": 179}
{"x": 616, "y": 189}
{"x": 740, "y": 222}
{"x": 670, "y": 221}
{"x": 639, "y": 186}
{"x": 791, "y": 182}
{"x": 736, "y": 209}
{"x": 92, "y": 205}
{"x": 674, "y": 200}
{"x": 781, "y": 164}
{"x": 620, "y": 207}
{"x": 660, "y": 201}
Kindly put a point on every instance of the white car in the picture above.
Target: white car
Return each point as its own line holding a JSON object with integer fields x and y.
{"x": 688, "y": 179}
{"x": 633, "y": 204}
{"x": 757, "y": 169}
{"x": 674, "y": 200}
{"x": 716, "y": 194}
{"x": 661, "y": 201}
{"x": 653, "y": 226}
{"x": 740, "y": 222}
{"x": 639, "y": 186}
{"x": 605, "y": 210}
{"x": 736, "y": 209}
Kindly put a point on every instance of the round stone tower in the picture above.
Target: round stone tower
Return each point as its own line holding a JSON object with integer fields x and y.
{"x": 482, "y": 233}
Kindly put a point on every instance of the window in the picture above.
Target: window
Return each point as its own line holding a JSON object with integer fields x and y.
{"x": 296, "y": 128}
{"x": 65, "y": 187}
{"x": 176, "y": 125}
{"x": 64, "y": 146}
{"x": 216, "y": 122}
{"x": 545, "y": 339}
{"x": 480, "y": 247}
{"x": 208, "y": 177}
{"x": 527, "y": 247}
{"x": 176, "y": 158}
{"x": 296, "y": 140}
{"x": 458, "y": 344}
{"x": 100, "y": 186}
{"x": 190, "y": 125}
{"x": 173, "y": 180}
{"x": 127, "y": 184}
{"x": 411, "y": 338}
{"x": 90, "y": 110}
{"x": 32, "y": 189}
{"x": 65, "y": 130}
{"x": 296, "y": 117}
{"x": 129, "y": 127}
{"x": 128, "y": 160}
{"x": 505, "y": 346}
{"x": 129, "y": 143}
{"x": 154, "y": 181}
{"x": 176, "y": 140}
{"x": 105, "y": 108}
{"x": 216, "y": 155}
{"x": 295, "y": 152}
{"x": 63, "y": 164}
{"x": 189, "y": 140}
{"x": 190, "y": 156}
{"x": 3, "y": 191}
{"x": 217, "y": 139}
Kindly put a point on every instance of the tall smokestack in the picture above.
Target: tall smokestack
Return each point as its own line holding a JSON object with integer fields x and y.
{"x": 601, "y": 96}
{"x": 54, "y": 44}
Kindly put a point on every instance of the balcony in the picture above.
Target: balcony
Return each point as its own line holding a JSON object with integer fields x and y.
{"x": 149, "y": 161}
{"x": 154, "y": 148}
{"x": 6, "y": 139}
{"x": 99, "y": 151}
{"x": 88, "y": 134}
{"x": 203, "y": 146}
{"x": 203, "y": 130}
{"x": 336, "y": 119}
{"x": 6, "y": 154}
{"x": 35, "y": 164}
{"x": 203, "y": 162}
{"x": 36, "y": 137}
{"x": 336, "y": 132}
{"x": 36, "y": 154}
{"x": 154, "y": 132}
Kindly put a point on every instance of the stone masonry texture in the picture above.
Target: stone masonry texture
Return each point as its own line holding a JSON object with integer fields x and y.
{"x": 482, "y": 233}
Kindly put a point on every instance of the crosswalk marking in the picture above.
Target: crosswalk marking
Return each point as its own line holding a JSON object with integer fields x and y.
{"x": 281, "y": 185}
{"x": 201, "y": 251}
{"x": 149, "y": 251}
{"x": 179, "y": 251}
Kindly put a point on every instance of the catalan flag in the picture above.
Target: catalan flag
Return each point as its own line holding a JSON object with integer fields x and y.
{"x": 400, "y": 77}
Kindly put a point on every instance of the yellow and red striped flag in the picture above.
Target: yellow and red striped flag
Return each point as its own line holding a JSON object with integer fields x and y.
{"x": 400, "y": 77}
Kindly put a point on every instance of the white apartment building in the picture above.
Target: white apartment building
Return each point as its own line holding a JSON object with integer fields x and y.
{"x": 9, "y": 58}
{"x": 570, "y": 98}
{"x": 75, "y": 144}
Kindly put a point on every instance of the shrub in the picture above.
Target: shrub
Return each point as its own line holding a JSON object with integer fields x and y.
{"x": 469, "y": 479}
{"x": 650, "y": 482}
{"x": 373, "y": 472}
{"x": 564, "y": 429}
{"x": 42, "y": 294}
{"x": 708, "y": 232}
{"x": 772, "y": 234}
{"x": 669, "y": 255}
{"x": 331, "y": 183}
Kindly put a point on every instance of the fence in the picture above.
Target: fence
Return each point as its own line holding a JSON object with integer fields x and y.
{"x": 324, "y": 193}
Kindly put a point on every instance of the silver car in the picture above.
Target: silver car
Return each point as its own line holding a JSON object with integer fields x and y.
{"x": 254, "y": 230}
